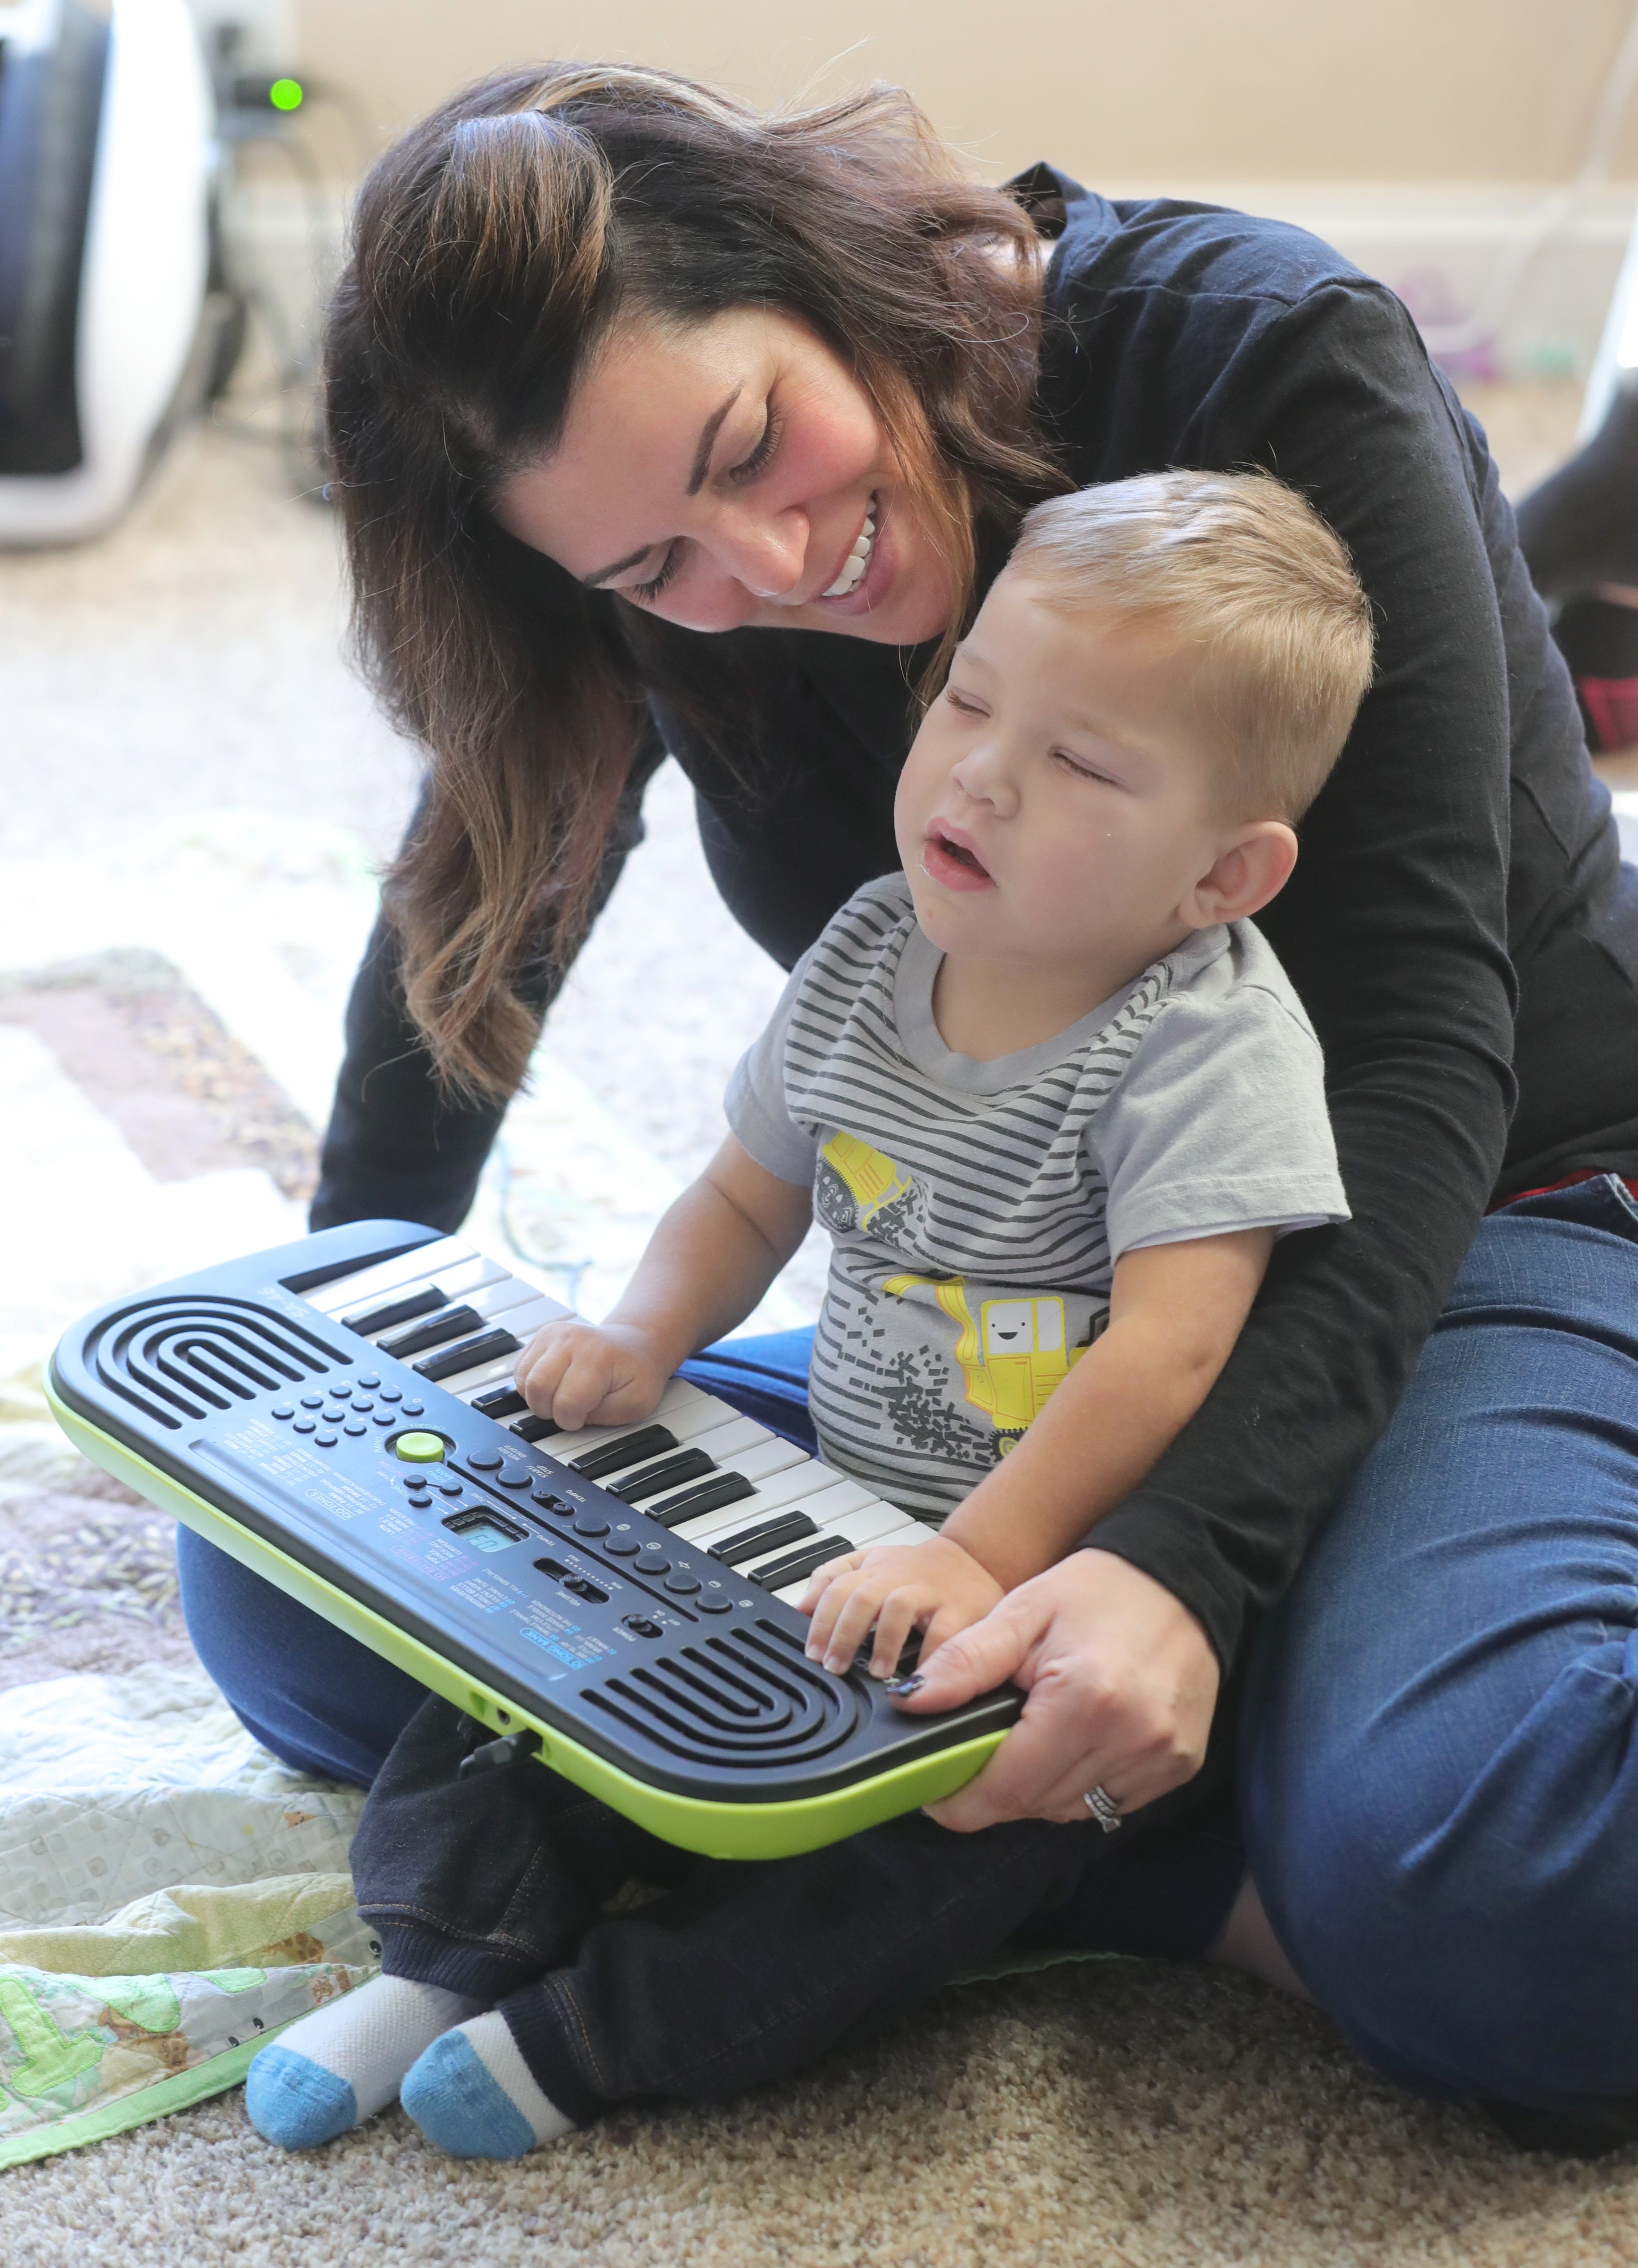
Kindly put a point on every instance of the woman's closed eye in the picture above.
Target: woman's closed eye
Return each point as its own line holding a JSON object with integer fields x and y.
{"x": 748, "y": 469}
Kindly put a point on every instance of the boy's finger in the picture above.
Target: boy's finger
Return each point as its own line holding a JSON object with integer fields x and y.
{"x": 853, "y": 1624}
{"x": 893, "y": 1626}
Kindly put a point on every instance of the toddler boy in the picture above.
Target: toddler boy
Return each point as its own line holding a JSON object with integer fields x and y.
{"x": 1054, "y": 1099}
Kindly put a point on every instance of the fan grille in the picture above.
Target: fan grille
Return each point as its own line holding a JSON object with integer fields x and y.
{"x": 181, "y": 1359}
{"x": 743, "y": 1696}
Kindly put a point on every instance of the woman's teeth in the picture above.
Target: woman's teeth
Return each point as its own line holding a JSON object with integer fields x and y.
{"x": 858, "y": 560}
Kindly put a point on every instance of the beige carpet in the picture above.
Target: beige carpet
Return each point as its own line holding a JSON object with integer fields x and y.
{"x": 1113, "y": 2114}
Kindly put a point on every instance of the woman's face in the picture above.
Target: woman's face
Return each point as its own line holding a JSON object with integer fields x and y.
{"x": 729, "y": 474}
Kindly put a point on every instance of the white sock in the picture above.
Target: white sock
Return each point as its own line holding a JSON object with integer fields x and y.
{"x": 472, "y": 2094}
{"x": 371, "y": 2035}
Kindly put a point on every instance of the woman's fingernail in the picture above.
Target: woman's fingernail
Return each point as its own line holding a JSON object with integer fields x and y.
{"x": 899, "y": 1686}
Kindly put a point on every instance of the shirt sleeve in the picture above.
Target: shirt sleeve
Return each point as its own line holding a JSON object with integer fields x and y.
{"x": 755, "y": 1098}
{"x": 1393, "y": 931}
{"x": 1219, "y": 1124}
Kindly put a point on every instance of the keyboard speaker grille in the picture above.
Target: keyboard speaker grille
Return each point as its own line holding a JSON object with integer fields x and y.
{"x": 745, "y": 1697}
{"x": 182, "y": 1360}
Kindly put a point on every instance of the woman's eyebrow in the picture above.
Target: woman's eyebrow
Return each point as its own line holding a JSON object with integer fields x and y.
{"x": 708, "y": 432}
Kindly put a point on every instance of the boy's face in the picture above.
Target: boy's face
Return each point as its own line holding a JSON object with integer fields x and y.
{"x": 1057, "y": 803}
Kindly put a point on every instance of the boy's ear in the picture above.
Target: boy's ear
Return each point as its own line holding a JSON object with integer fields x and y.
{"x": 1253, "y": 867}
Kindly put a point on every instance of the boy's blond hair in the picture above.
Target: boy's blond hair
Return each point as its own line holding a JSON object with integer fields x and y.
{"x": 1243, "y": 567}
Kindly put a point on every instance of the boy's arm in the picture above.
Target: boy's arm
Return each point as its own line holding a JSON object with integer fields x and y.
{"x": 1175, "y": 1312}
{"x": 713, "y": 1256}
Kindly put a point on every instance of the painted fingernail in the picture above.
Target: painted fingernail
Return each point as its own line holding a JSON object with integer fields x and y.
{"x": 902, "y": 1685}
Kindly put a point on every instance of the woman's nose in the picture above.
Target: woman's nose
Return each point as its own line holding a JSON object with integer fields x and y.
{"x": 768, "y": 554}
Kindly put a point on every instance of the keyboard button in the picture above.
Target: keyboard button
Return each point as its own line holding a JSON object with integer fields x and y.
{"x": 414, "y": 1409}
{"x": 433, "y": 1331}
{"x": 368, "y": 1321}
{"x": 324, "y": 1441}
{"x": 355, "y": 1426}
{"x": 651, "y": 1562}
{"x": 372, "y": 1382}
{"x": 765, "y": 1538}
{"x": 500, "y": 1402}
{"x": 385, "y": 1418}
{"x": 626, "y": 1449}
{"x": 392, "y": 1393}
{"x": 684, "y": 1585}
{"x": 695, "y": 1502}
{"x": 284, "y": 1410}
{"x": 520, "y": 1478}
{"x": 304, "y": 1425}
{"x": 590, "y": 1523}
{"x": 313, "y": 1401}
{"x": 467, "y": 1354}
{"x": 796, "y": 1566}
{"x": 670, "y": 1473}
{"x": 712, "y": 1601}
{"x": 487, "y": 1461}
{"x": 623, "y": 1547}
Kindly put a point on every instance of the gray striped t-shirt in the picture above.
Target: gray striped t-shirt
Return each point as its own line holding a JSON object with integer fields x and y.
{"x": 976, "y": 1210}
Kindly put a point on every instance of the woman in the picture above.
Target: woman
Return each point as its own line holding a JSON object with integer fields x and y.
{"x": 616, "y": 363}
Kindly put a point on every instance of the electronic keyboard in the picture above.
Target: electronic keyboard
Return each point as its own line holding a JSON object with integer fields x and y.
{"x": 616, "y": 1603}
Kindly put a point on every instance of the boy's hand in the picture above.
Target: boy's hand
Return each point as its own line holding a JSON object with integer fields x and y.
{"x": 934, "y": 1587}
{"x": 583, "y": 1373}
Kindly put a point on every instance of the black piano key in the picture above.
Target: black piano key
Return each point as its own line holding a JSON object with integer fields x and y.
{"x": 711, "y": 1496}
{"x": 648, "y": 1442}
{"x": 467, "y": 1354}
{"x": 453, "y": 1323}
{"x": 533, "y": 1429}
{"x": 397, "y": 1311}
{"x": 499, "y": 1401}
{"x": 796, "y": 1565}
{"x": 687, "y": 1465}
{"x": 767, "y": 1536}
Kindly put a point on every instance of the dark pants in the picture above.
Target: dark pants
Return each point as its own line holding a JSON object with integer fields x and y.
{"x": 739, "y": 1971}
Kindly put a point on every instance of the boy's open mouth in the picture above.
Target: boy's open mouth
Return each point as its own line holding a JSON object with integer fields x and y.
{"x": 953, "y": 862}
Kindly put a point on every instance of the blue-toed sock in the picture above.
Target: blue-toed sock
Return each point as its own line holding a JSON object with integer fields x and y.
{"x": 347, "y": 2060}
{"x": 472, "y": 2094}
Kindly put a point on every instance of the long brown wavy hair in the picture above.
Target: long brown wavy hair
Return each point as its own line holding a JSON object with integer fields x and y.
{"x": 493, "y": 248}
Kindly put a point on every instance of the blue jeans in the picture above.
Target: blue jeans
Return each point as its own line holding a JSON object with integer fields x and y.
{"x": 1436, "y": 1734}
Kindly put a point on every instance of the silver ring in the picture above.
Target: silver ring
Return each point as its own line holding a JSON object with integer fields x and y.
{"x": 1103, "y": 1808}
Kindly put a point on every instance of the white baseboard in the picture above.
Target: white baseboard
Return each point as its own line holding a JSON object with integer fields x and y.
{"x": 1443, "y": 246}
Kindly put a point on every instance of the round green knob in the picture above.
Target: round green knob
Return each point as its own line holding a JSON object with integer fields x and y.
{"x": 419, "y": 1448}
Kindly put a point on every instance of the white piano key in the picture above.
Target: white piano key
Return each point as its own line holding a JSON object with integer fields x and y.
{"x": 774, "y": 1455}
{"x": 462, "y": 1287}
{"x": 346, "y": 1294}
{"x": 871, "y": 1524}
{"x": 680, "y": 1401}
{"x": 725, "y": 1445}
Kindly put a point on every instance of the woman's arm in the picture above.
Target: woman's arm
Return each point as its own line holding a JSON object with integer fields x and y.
{"x": 399, "y": 1147}
{"x": 1393, "y": 930}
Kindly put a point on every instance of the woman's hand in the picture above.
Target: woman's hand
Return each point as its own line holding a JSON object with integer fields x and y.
{"x": 1122, "y": 1683}
{"x": 936, "y": 1586}
{"x": 578, "y": 1373}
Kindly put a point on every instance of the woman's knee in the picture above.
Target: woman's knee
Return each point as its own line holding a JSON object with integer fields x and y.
{"x": 1458, "y": 1896}
{"x": 318, "y": 1699}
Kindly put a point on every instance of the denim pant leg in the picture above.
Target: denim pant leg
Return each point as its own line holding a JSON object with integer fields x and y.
{"x": 749, "y": 1970}
{"x": 481, "y": 1883}
{"x": 1439, "y": 1773}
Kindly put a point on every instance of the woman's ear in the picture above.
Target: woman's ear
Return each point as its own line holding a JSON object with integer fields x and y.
{"x": 1253, "y": 867}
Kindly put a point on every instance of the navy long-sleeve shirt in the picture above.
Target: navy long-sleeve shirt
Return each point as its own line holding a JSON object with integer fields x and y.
{"x": 1459, "y": 926}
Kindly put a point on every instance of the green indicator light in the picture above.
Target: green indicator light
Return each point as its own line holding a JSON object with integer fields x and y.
{"x": 285, "y": 94}
{"x": 419, "y": 1448}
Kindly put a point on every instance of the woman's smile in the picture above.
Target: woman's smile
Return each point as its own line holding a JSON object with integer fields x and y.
{"x": 733, "y": 474}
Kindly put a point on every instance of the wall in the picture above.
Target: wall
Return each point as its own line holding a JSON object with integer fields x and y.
{"x": 1431, "y": 91}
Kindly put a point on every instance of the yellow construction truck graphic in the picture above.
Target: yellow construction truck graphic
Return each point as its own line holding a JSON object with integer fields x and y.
{"x": 872, "y": 1183}
{"x": 1012, "y": 1359}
